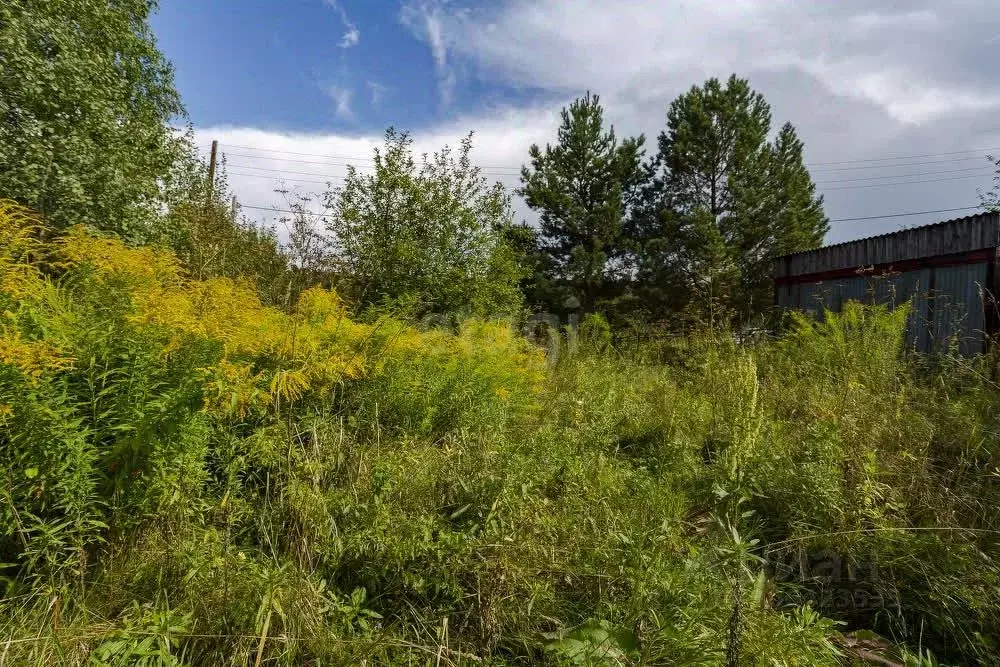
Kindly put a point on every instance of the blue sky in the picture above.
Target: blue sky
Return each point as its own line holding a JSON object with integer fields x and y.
{"x": 277, "y": 63}
{"x": 283, "y": 84}
{"x": 353, "y": 66}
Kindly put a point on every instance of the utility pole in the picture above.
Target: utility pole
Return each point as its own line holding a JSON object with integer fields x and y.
{"x": 211, "y": 170}
{"x": 232, "y": 211}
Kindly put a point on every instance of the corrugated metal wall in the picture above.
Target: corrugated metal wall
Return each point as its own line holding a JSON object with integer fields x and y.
{"x": 944, "y": 238}
{"x": 957, "y": 307}
{"x": 941, "y": 269}
{"x": 947, "y": 302}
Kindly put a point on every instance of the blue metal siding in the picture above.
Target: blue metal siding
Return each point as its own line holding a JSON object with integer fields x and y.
{"x": 950, "y": 313}
{"x": 958, "y": 308}
{"x": 909, "y": 287}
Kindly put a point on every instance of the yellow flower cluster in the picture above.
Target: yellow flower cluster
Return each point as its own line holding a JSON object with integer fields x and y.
{"x": 32, "y": 358}
{"x": 19, "y": 250}
{"x": 269, "y": 359}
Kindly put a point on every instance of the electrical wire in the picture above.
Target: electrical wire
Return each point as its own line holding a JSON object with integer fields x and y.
{"x": 865, "y": 161}
{"x": 859, "y": 183}
{"x": 861, "y": 219}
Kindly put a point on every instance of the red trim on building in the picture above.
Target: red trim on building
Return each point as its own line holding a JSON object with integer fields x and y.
{"x": 985, "y": 255}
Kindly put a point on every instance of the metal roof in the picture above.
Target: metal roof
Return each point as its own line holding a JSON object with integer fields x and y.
{"x": 968, "y": 234}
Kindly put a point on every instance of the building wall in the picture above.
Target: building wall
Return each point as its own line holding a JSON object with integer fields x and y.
{"x": 949, "y": 272}
{"x": 947, "y": 303}
{"x": 952, "y": 237}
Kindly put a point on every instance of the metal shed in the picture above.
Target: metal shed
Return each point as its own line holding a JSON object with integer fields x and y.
{"x": 948, "y": 271}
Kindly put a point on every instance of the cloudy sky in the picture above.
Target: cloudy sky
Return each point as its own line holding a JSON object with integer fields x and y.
{"x": 898, "y": 101}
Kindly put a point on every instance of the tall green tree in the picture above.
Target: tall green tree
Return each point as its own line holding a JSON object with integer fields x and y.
{"x": 583, "y": 187}
{"x": 430, "y": 236}
{"x": 85, "y": 101}
{"x": 536, "y": 283}
{"x": 723, "y": 201}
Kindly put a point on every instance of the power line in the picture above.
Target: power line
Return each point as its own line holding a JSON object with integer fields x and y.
{"x": 919, "y": 173}
{"x": 888, "y": 185}
{"x": 314, "y": 173}
{"x": 908, "y": 157}
{"x": 903, "y": 215}
{"x": 514, "y": 171}
{"x": 286, "y": 171}
{"x": 865, "y": 161}
{"x": 866, "y": 182}
{"x": 285, "y": 210}
{"x": 276, "y": 150}
{"x": 279, "y": 178}
{"x": 284, "y": 159}
{"x": 977, "y": 158}
{"x": 861, "y": 219}
{"x": 342, "y": 164}
{"x": 352, "y": 158}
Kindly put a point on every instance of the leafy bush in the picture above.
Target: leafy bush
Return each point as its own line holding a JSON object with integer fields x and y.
{"x": 195, "y": 477}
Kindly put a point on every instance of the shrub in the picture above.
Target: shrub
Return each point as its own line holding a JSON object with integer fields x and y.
{"x": 195, "y": 477}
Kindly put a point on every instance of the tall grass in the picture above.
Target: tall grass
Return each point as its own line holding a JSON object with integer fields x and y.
{"x": 194, "y": 478}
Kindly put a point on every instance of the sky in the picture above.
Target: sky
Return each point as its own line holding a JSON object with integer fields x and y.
{"x": 897, "y": 101}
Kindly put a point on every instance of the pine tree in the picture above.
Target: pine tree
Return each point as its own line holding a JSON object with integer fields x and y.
{"x": 722, "y": 203}
{"x": 795, "y": 214}
{"x": 583, "y": 188}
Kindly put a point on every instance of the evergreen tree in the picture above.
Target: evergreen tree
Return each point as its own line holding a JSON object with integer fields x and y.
{"x": 583, "y": 188}
{"x": 540, "y": 291}
{"x": 723, "y": 202}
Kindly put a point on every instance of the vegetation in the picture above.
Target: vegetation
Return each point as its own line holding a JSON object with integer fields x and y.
{"x": 583, "y": 188}
{"x": 197, "y": 478}
{"x": 85, "y": 102}
{"x": 725, "y": 203}
{"x": 990, "y": 201}
{"x": 222, "y": 448}
{"x": 694, "y": 231}
{"x": 428, "y": 238}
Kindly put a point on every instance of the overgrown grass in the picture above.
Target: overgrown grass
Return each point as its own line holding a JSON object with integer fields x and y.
{"x": 193, "y": 478}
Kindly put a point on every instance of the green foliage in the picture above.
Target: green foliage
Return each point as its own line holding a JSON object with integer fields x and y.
{"x": 85, "y": 98}
{"x": 428, "y": 237}
{"x": 204, "y": 229}
{"x": 148, "y": 638}
{"x": 593, "y": 643}
{"x": 722, "y": 203}
{"x": 595, "y": 332}
{"x": 196, "y": 478}
{"x": 582, "y": 188}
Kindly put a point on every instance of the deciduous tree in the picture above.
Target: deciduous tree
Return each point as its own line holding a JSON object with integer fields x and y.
{"x": 428, "y": 235}
{"x": 85, "y": 101}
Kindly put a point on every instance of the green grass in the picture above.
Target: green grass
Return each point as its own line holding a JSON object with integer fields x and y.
{"x": 454, "y": 498}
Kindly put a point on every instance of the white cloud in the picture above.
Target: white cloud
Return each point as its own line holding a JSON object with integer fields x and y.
{"x": 350, "y": 37}
{"x": 260, "y": 161}
{"x": 376, "y": 92}
{"x": 426, "y": 19}
{"x": 902, "y": 95}
{"x": 897, "y": 59}
{"x": 341, "y": 98}
{"x": 859, "y": 79}
{"x": 351, "y": 33}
